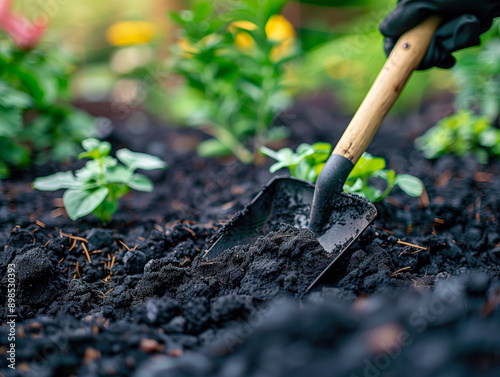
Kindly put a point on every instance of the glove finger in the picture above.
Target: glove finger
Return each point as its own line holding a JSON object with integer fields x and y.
{"x": 459, "y": 33}
{"x": 436, "y": 56}
{"x": 485, "y": 25}
{"x": 454, "y": 35}
{"x": 389, "y": 44}
{"x": 405, "y": 16}
{"x": 445, "y": 62}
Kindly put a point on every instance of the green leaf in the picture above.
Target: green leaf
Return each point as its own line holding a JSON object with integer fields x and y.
{"x": 305, "y": 171}
{"x": 91, "y": 171}
{"x": 30, "y": 84}
{"x": 322, "y": 147}
{"x": 4, "y": 170}
{"x": 106, "y": 210}
{"x": 10, "y": 122}
{"x": 143, "y": 161}
{"x": 355, "y": 186}
{"x": 371, "y": 193}
{"x": 269, "y": 152}
{"x": 118, "y": 174}
{"x": 410, "y": 185}
{"x": 10, "y": 97}
{"x": 140, "y": 182}
{"x": 372, "y": 165}
{"x": 366, "y": 166}
{"x": 202, "y": 10}
{"x": 90, "y": 144}
{"x": 304, "y": 150}
{"x": 95, "y": 149}
{"x": 177, "y": 18}
{"x": 489, "y": 137}
{"x": 387, "y": 175}
{"x": 56, "y": 181}
{"x": 14, "y": 154}
{"x": 80, "y": 203}
{"x": 286, "y": 156}
{"x": 279, "y": 165}
{"x": 48, "y": 84}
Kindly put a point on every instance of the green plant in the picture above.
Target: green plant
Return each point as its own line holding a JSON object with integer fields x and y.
{"x": 308, "y": 161}
{"x": 461, "y": 134}
{"x": 305, "y": 163}
{"x": 234, "y": 62}
{"x": 37, "y": 121}
{"x": 369, "y": 167}
{"x": 12, "y": 102}
{"x": 477, "y": 73}
{"x": 349, "y": 55}
{"x": 97, "y": 187}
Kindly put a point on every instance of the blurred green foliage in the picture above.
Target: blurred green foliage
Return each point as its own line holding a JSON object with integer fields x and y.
{"x": 233, "y": 87}
{"x": 343, "y": 53}
{"x": 461, "y": 134}
{"x": 234, "y": 62}
{"x": 477, "y": 74}
{"x": 37, "y": 121}
{"x": 305, "y": 163}
{"x": 351, "y": 55}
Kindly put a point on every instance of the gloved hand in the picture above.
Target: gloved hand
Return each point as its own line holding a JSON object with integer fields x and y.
{"x": 463, "y": 22}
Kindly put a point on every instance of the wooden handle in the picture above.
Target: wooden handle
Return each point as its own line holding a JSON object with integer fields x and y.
{"x": 403, "y": 60}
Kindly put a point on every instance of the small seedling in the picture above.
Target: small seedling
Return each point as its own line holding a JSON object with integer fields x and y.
{"x": 461, "y": 134}
{"x": 369, "y": 167}
{"x": 97, "y": 187}
{"x": 305, "y": 163}
{"x": 308, "y": 161}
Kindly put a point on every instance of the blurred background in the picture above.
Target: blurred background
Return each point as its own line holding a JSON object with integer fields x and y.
{"x": 341, "y": 45}
{"x": 228, "y": 67}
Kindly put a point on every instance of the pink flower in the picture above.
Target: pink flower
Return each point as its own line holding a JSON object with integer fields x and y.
{"x": 24, "y": 33}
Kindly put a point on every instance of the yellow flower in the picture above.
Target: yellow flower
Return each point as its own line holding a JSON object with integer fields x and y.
{"x": 187, "y": 47}
{"x": 279, "y": 29}
{"x": 243, "y": 40}
{"x": 126, "y": 33}
{"x": 247, "y": 25}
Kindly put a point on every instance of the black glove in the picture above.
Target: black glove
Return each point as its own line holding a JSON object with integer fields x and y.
{"x": 463, "y": 22}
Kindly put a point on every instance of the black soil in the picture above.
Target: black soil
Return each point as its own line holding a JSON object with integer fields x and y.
{"x": 419, "y": 294}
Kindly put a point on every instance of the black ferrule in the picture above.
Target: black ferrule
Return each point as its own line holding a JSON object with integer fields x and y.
{"x": 329, "y": 185}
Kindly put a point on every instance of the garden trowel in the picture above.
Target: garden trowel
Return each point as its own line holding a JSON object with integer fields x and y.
{"x": 336, "y": 218}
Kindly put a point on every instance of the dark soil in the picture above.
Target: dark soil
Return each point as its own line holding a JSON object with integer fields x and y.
{"x": 419, "y": 295}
